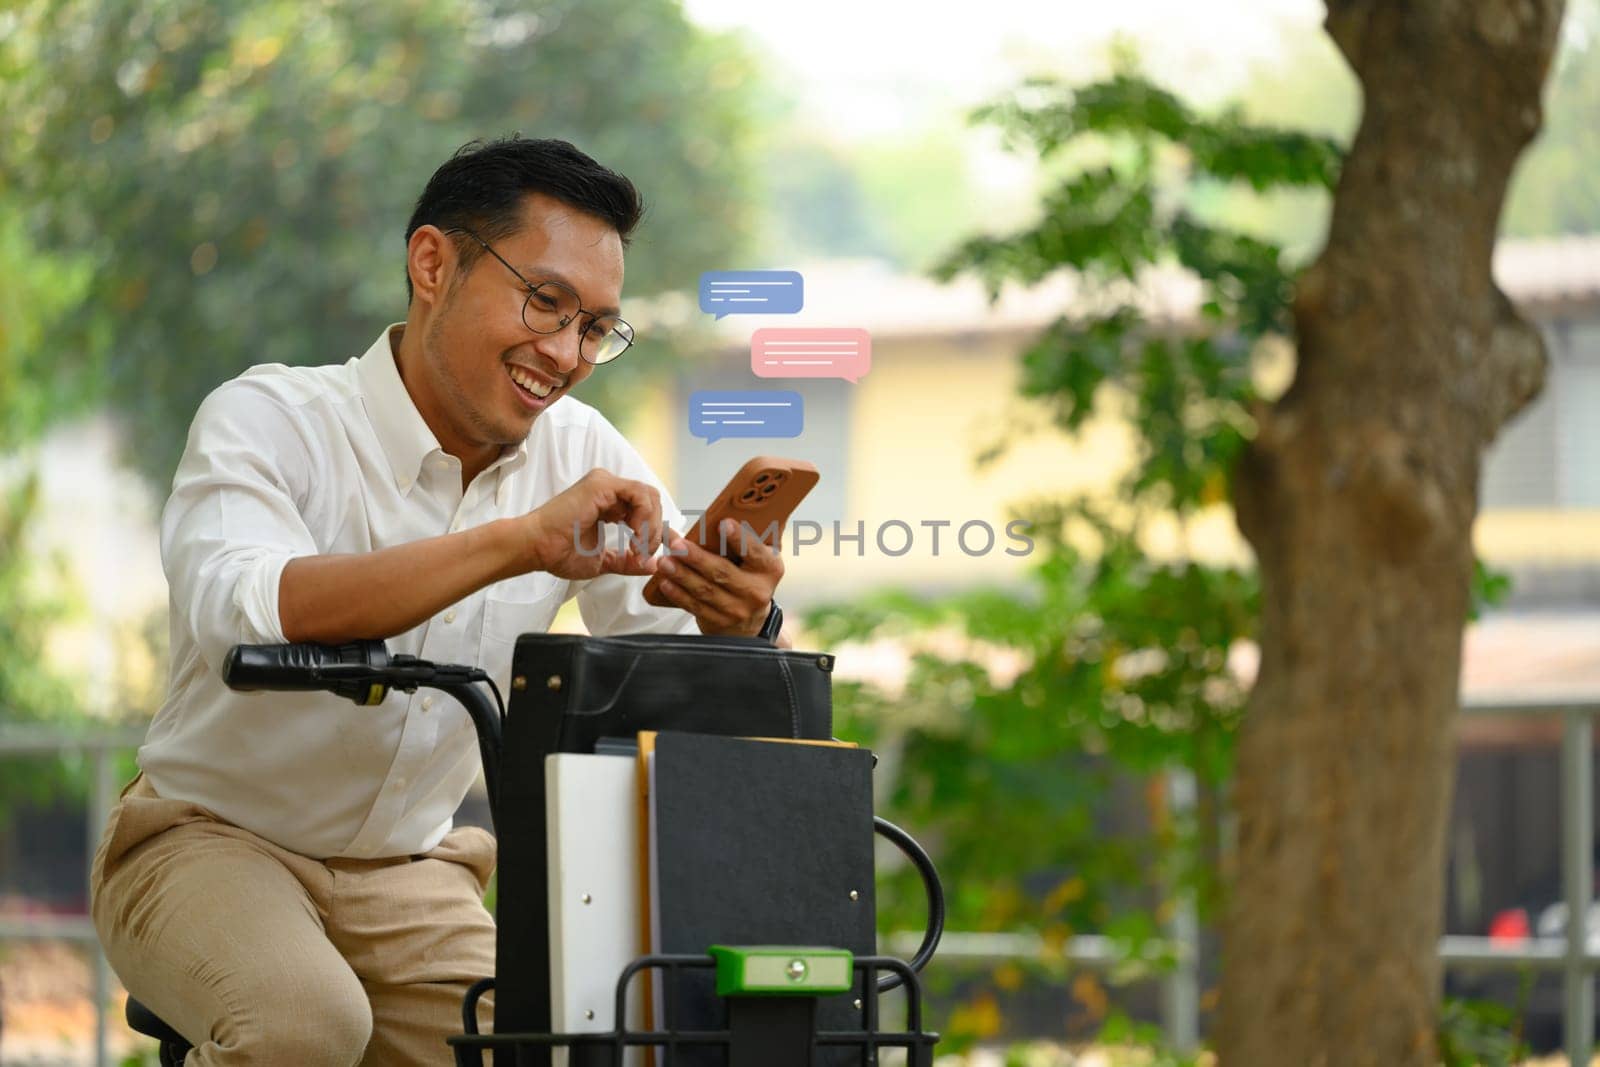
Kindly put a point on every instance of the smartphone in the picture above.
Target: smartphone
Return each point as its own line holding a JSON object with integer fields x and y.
{"x": 761, "y": 497}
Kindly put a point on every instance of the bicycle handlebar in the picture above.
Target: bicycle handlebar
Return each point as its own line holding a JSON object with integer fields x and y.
{"x": 355, "y": 670}
{"x": 364, "y": 672}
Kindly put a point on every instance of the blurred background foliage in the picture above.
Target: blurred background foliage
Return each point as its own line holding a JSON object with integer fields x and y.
{"x": 189, "y": 188}
{"x": 237, "y": 177}
{"x": 35, "y": 591}
{"x": 1024, "y": 726}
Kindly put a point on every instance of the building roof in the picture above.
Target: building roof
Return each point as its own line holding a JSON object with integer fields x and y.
{"x": 1539, "y": 275}
{"x": 1532, "y": 656}
{"x": 1550, "y": 271}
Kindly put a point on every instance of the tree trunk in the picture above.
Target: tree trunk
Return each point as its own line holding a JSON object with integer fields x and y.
{"x": 1358, "y": 495}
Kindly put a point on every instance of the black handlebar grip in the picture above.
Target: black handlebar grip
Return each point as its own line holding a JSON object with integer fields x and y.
{"x": 301, "y": 667}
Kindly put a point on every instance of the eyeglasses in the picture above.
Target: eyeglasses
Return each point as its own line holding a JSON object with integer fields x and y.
{"x": 549, "y": 306}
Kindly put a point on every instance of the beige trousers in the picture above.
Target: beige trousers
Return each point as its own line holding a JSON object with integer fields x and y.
{"x": 259, "y": 955}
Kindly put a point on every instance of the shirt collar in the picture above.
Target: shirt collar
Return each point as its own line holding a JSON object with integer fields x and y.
{"x": 402, "y": 432}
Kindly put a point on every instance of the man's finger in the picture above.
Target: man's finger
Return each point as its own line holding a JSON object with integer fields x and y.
{"x": 622, "y": 497}
{"x": 756, "y": 553}
{"x": 651, "y": 531}
{"x": 645, "y": 518}
{"x": 638, "y": 505}
{"x": 680, "y": 597}
{"x": 706, "y": 562}
{"x": 615, "y": 562}
{"x": 723, "y": 596}
{"x": 756, "y": 556}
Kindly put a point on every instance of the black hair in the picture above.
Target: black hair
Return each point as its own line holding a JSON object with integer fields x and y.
{"x": 482, "y": 186}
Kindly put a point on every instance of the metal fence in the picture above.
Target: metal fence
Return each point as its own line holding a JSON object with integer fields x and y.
{"x": 1571, "y": 956}
{"x": 1180, "y": 994}
{"x": 102, "y": 791}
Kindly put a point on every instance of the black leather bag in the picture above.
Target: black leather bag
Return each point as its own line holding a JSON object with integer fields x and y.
{"x": 569, "y": 692}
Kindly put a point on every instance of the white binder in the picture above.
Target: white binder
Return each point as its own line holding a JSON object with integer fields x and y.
{"x": 591, "y": 805}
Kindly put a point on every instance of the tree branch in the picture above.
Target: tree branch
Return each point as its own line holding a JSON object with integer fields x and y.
{"x": 1516, "y": 363}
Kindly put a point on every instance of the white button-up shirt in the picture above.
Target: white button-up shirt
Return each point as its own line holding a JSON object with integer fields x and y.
{"x": 296, "y": 461}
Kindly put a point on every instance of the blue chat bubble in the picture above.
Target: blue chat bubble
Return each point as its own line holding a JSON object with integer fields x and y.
{"x": 751, "y": 292}
{"x": 718, "y": 413}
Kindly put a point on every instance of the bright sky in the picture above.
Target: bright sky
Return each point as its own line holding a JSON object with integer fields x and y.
{"x": 865, "y": 67}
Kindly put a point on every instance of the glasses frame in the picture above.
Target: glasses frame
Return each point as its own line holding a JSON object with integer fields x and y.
{"x": 628, "y": 336}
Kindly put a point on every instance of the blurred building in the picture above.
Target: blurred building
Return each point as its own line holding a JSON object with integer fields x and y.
{"x": 901, "y": 443}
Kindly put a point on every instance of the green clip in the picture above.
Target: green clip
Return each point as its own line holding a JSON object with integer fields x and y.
{"x": 781, "y": 970}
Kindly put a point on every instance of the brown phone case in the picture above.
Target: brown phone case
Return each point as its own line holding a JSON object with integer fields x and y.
{"x": 762, "y": 495}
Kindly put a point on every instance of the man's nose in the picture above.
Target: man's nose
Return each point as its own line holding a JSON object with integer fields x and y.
{"x": 561, "y": 347}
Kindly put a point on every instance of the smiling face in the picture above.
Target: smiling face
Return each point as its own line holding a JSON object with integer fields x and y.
{"x": 471, "y": 365}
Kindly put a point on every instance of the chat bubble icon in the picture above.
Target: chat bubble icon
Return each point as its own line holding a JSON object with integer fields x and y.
{"x": 806, "y": 352}
{"x": 751, "y": 292}
{"x": 718, "y": 413}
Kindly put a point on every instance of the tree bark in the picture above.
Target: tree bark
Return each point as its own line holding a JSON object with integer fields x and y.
{"x": 1358, "y": 495}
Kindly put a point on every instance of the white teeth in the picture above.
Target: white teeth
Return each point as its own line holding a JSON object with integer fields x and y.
{"x": 537, "y": 388}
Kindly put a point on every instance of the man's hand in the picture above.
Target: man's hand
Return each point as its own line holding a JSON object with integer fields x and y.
{"x": 564, "y": 536}
{"x": 724, "y": 598}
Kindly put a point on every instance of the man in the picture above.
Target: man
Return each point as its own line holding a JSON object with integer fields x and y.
{"x": 282, "y": 884}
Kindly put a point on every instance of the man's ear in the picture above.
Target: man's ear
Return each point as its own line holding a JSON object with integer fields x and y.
{"x": 431, "y": 262}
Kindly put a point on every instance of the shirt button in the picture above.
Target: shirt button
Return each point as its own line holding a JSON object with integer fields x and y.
{"x": 427, "y": 703}
{"x": 450, "y": 616}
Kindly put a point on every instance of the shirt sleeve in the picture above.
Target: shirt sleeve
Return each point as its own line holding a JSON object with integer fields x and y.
{"x": 234, "y": 519}
{"x": 614, "y": 603}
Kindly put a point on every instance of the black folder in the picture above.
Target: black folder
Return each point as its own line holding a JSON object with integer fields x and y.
{"x": 760, "y": 843}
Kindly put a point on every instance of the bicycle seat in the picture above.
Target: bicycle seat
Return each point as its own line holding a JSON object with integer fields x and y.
{"x": 142, "y": 1020}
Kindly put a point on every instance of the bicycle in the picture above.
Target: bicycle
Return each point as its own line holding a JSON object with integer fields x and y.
{"x": 364, "y": 672}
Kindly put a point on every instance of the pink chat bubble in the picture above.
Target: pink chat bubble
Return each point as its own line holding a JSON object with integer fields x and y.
{"x": 798, "y": 352}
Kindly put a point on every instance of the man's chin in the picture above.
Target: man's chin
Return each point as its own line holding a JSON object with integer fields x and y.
{"x": 514, "y": 431}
